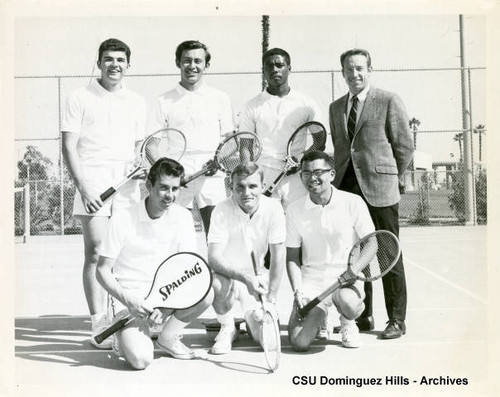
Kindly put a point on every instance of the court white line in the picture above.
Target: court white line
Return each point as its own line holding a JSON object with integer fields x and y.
{"x": 446, "y": 281}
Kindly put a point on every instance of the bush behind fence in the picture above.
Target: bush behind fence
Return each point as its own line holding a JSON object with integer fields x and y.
{"x": 430, "y": 198}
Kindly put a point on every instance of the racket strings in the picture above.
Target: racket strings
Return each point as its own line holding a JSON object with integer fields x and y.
{"x": 240, "y": 147}
{"x": 167, "y": 143}
{"x": 270, "y": 338}
{"x": 375, "y": 255}
{"x": 309, "y": 138}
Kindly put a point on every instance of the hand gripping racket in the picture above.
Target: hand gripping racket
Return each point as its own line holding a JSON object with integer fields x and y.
{"x": 269, "y": 330}
{"x": 167, "y": 142}
{"x": 370, "y": 258}
{"x": 181, "y": 281}
{"x": 232, "y": 151}
{"x": 308, "y": 137}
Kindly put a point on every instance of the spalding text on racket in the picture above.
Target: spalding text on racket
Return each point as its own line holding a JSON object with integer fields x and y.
{"x": 370, "y": 258}
{"x": 167, "y": 142}
{"x": 232, "y": 151}
{"x": 309, "y": 137}
{"x": 181, "y": 281}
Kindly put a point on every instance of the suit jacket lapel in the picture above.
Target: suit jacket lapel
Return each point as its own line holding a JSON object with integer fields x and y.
{"x": 367, "y": 108}
{"x": 344, "y": 115}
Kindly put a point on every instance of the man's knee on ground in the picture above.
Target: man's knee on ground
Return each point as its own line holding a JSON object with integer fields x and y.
{"x": 223, "y": 296}
{"x": 299, "y": 341}
{"x": 138, "y": 360}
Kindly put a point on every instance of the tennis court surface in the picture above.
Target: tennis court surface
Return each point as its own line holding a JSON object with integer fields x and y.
{"x": 447, "y": 336}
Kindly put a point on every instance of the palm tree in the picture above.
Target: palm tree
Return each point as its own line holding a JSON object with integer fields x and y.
{"x": 265, "y": 43}
{"x": 458, "y": 138}
{"x": 480, "y": 129}
{"x": 414, "y": 123}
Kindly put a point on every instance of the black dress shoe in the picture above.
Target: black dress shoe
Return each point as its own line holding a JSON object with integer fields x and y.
{"x": 395, "y": 329}
{"x": 365, "y": 323}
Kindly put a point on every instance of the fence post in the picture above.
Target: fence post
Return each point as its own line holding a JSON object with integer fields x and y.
{"x": 27, "y": 207}
{"x": 61, "y": 161}
{"x": 468, "y": 182}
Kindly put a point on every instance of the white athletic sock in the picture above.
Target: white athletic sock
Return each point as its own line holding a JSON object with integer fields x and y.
{"x": 172, "y": 328}
{"x": 226, "y": 320}
{"x": 98, "y": 319}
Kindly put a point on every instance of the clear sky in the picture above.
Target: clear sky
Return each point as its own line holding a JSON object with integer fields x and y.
{"x": 51, "y": 45}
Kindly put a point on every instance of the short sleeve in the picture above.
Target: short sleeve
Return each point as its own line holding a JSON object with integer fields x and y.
{"x": 293, "y": 239}
{"x": 227, "y": 118}
{"x": 277, "y": 226}
{"x": 142, "y": 116}
{"x": 119, "y": 226}
{"x": 218, "y": 232}
{"x": 363, "y": 224}
{"x": 246, "y": 120}
{"x": 72, "y": 114}
{"x": 156, "y": 120}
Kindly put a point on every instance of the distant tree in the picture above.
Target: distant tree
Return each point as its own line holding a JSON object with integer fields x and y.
{"x": 480, "y": 130}
{"x": 265, "y": 43}
{"x": 34, "y": 164}
{"x": 458, "y": 138}
{"x": 414, "y": 123}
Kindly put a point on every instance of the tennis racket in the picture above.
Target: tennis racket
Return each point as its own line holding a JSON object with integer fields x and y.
{"x": 232, "y": 151}
{"x": 269, "y": 331}
{"x": 370, "y": 258}
{"x": 181, "y": 281}
{"x": 308, "y": 137}
{"x": 167, "y": 142}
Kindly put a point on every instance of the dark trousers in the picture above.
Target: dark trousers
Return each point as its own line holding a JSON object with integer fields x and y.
{"x": 394, "y": 282}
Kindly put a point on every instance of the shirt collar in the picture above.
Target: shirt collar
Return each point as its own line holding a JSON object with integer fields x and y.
{"x": 362, "y": 95}
{"x": 181, "y": 90}
{"x": 238, "y": 211}
{"x": 309, "y": 204}
{"x": 143, "y": 213}
{"x": 103, "y": 91}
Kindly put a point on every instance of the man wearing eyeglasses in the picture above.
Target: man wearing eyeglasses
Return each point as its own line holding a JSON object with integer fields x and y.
{"x": 324, "y": 224}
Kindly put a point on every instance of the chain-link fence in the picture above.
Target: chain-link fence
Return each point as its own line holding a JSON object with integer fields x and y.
{"x": 432, "y": 196}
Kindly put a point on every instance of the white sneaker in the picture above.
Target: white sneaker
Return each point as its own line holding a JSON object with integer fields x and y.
{"x": 350, "y": 333}
{"x": 224, "y": 340}
{"x": 175, "y": 348}
{"x": 98, "y": 327}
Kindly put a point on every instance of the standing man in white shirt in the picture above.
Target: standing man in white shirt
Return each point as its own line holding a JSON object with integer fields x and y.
{"x": 274, "y": 115}
{"x": 102, "y": 127}
{"x": 204, "y": 115}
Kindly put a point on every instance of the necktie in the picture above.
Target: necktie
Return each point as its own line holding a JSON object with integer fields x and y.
{"x": 351, "y": 123}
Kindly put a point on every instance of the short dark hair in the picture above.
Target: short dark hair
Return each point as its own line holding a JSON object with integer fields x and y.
{"x": 114, "y": 45}
{"x": 247, "y": 168}
{"x": 191, "y": 45}
{"x": 317, "y": 155}
{"x": 356, "y": 51}
{"x": 165, "y": 166}
{"x": 277, "y": 51}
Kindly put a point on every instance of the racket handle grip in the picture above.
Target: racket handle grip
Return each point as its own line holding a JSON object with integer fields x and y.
{"x": 107, "y": 194}
{"x": 303, "y": 311}
{"x": 111, "y": 330}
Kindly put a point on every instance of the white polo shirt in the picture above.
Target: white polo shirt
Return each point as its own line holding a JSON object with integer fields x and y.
{"x": 203, "y": 116}
{"x": 326, "y": 235}
{"x": 274, "y": 120}
{"x": 107, "y": 123}
{"x": 241, "y": 233}
{"x": 140, "y": 244}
